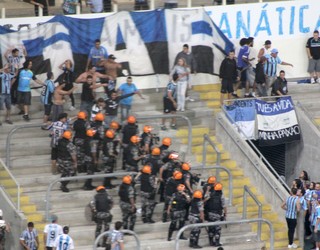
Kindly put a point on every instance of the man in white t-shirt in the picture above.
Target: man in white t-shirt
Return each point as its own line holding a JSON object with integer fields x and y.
{"x": 64, "y": 241}
{"x": 51, "y": 232}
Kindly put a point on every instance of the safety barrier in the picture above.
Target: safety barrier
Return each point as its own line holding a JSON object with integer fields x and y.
{"x": 246, "y": 190}
{"x": 217, "y": 223}
{"x": 123, "y": 231}
{"x": 7, "y": 173}
{"x": 75, "y": 178}
{"x": 206, "y": 141}
{"x": 150, "y": 117}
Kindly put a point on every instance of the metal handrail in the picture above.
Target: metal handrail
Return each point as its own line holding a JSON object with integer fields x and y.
{"x": 8, "y": 141}
{"x": 16, "y": 182}
{"x": 261, "y": 156}
{"x": 310, "y": 116}
{"x": 246, "y": 190}
{"x": 123, "y": 231}
{"x": 217, "y": 223}
{"x": 82, "y": 177}
{"x": 206, "y": 141}
{"x": 149, "y": 117}
{"x": 230, "y": 178}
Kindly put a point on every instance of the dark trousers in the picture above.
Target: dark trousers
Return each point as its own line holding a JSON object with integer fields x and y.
{"x": 292, "y": 223}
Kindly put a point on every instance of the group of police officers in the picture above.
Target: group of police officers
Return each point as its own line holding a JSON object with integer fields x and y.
{"x": 97, "y": 144}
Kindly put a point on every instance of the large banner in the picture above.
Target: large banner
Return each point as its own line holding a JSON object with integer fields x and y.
{"x": 145, "y": 43}
{"x": 277, "y": 122}
{"x": 242, "y": 115}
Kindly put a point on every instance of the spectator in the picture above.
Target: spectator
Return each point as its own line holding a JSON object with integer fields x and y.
{"x": 280, "y": 85}
{"x": 125, "y": 104}
{"x": 270, "y": 67}
{"x": 64, "y": 241}
{"x": 69, "y": 7}
{"x": 51, "y": 232}
{"x": 98, "y": 107}
{"x": 264, "y": 50}
{"x": 260, "y": 77}
{"x": 301, "y": 217}
{"x": 229, "y": 75}
{"x": 241, "y": 66}
{"x": 96, "y": 6}
{"x": 24, "y": 91}
{"x": 7, "y": 80}
{"x": 46, "y": 97}
{"x": 97, "y": 53}
{"x": 191, "y": 63}
{"x": 107, "y": 5}
{"x": 15, "y": 57}
{"x": 219, "y": 2}
{"x": 170, "y": 4}
{"x": 68, "y": 77}
{"x": 183, "y": 72}
{"x": 313, "y": 52}
{"x": 141, "y": 5}
{"x": 117, "y": 237}
{"x": 42, "y": 4}
{"x": 29, "y": 238}
{"x": 91, "y": 72}
{"x": 4, "y": 228}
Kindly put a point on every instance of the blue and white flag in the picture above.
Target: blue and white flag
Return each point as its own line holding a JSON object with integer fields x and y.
{"x": 277, "y": 122}
{"x": 242, "y": 115}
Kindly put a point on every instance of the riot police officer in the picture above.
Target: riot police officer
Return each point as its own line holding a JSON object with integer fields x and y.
{"x": 215, "y": 210}
{"x": 88, "y": 158}
{"x": 127, "y": 203}
{"x": 196, "y": 215}
{"x": 146, "y": 139}
{"x": 109, "y": 157}
{"x": 67, "y": 158}
{"x": 101, "y": 206}
{"x": 133, "y": 155}
{"x": 98, "y": 137}
{"x": 154, "y": 161}
{"x": 177, "y": 208}
{"x": 209, "y": 185}
{"x": 148, "y": 193}
{"x": 164, "y": 149}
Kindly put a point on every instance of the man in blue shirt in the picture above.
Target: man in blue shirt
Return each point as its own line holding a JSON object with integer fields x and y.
{"x": 29, "y": 238}
{"x": 125, "y": 104}
{"x": 24, "y": 91}
{"x": 96, "y": 54}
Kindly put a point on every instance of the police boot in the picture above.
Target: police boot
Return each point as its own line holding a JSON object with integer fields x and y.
{"x": 196, "y": 246}
{"x": 191, "y": 243}
{"x": 170, "y": 232}
{"x": 131, "y": 228}
{"x": 88, "y": 185}
{"x": 211, "y": 242}
{"x": 182, "y": 237}
{"x": 107, "y": 183}
{"x": 217, "y": 242}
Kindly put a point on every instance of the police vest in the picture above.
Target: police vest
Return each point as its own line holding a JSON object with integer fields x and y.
{"x": 156, "y": 164}
{"x": 103, "y": 202}
{"x": 179, "y": 202}
{"x": 132, "y": 150}
{"x": 145, "y": 183}
{"x": 63, "y": 152}
{"x": 98, "y": 126}
{"x": 124, "y": 192}
{"x": 171, "y": 186}
{"x": 128, "y": 131}
{"x": 214, "y": 204}
{"x": 107, "y": 143}
{"x": 194, "y": 206}
{"x": 80, "y": 129}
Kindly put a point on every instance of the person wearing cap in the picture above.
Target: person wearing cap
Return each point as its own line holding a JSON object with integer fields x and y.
{"x": 265, "y": 49}
{"x": 292, "y": 206}
{"x": 270, "y": 67}
{"x": 29, "y": 238}
{"x": 4, "y": 228}
{"x": 188, "y": 56}
{"x": 125, "y": 104}
{"x": 64, "y": 241}
{"x": 101, "y": 206}
{"x": 96, "y": 54}
{"x": 66, "y": 158}
{"x": 147, "y": 140}
{"x": 51, "y": 232}
{"x": 280, "y": 85}
{"x": 313, "y": 52}
{"x": 196, "y": 215}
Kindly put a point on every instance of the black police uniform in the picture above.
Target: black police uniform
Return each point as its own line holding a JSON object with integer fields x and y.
{"x": 109, "y": 159}
{"x": 127, "y": 192}
{"x": 148, "y": 195}
{"x": 196, "y": 207}
{"x": 128, "y": 131}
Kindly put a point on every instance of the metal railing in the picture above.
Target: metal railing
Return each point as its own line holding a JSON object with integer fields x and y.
{"x": 260, "y": 155}
{"x": 8, "y": 141}
{"x": 123, "y": 231}
{"x": 17, "y": 185}
{"x": 150, "y": 117}
{"x": 230, "y": 178}
{"x": 74, "y": 178}
{"x": 246, "y": 190}
{"x": 217, "y": 223}
{"x": 206, "y": 141}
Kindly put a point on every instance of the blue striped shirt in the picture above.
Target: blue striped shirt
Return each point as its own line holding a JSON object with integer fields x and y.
{"x": 64, "y": 242}
{"x": 47, "y": 92}
{"x": 29, "y": 238}
{"x": 5, "y": 85}
{"x": 291, "y": 212}
{"x": 53, "y": 231}
{"x": 270, "y": 67}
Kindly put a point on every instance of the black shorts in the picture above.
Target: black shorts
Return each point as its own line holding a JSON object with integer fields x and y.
{"x": 24, "y": 98}
{"x": 54, "y": 154}
{"x": 243, "y": 74}
{"x": 226, "y": 86}
{"x": 168, "y": 106}
{"x": 47, "y": 109}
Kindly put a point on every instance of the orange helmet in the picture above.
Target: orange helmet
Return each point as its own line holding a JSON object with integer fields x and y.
{"x": 146, "y": 169}
{"x": 212, "y": 180}
{"x": 91, "y": 132}
{"x": 131, "y": 119}
{"x": 100, "y": 188}
{"x": 177, "y": 175}
{"x": 218, "y": 187}
{"x": 114, "y": 125}
{"x": 110, "y": 134}
{"x": 155, "y": 151}
{"x": 197, "y": 194}
{"x": 166, "y": 141}
{"x": 82, "y": 115}
{"x": 135, "y": 139}
{"x": 173, "y": 156}
{"x": 147, "y": 129}
{"x": 67, "y": 134}
{"x": 186, "y": 166}
{"x": 181, "y": 187}
{"x": 99, "y": 117}
{"x": 127, "y": 179}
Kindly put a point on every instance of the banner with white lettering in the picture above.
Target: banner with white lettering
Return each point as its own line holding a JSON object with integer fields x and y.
{"x": 242, "y": 116}
{"x": 277, "y": 122}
